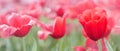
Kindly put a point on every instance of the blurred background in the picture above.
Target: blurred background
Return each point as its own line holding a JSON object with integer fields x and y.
{"x": 46, "y": 11}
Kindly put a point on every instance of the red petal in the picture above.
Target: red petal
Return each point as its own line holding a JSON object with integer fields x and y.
{"x": 60, "y": 11}
{"x": 91, "y": 45}
{"x": 6, "y": 31}
{"x": 21, "y": 32}
{"x": 43, "y": 34}
{"x": 79, "y": 48}
{"x": 91, "y": 30}
{"x": 59, "y": 28}
{"x": 102, "y": 26}
{"x": 17, "y": 20}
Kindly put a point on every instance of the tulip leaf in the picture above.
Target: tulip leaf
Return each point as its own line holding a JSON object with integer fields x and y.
{"x": 109, "y": 48}
{"x": 24, "y": 44}
{"x": 34, "y": 48}
{"x": 8, "y": 45}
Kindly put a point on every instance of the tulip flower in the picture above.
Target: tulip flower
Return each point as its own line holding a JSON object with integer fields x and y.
{"x": 94, "y": 22}
{"x": 57, "y": 30}
{"x": 60, "y": 11}
{"x": 21, "y": 23}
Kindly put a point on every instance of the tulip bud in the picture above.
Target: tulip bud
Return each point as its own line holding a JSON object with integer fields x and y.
{"x": 59, "y": 28}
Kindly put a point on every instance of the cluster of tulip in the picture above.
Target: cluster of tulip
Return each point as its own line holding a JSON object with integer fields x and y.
{"x": 97, "y": 18}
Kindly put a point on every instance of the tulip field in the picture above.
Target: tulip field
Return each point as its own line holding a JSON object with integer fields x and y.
{"x": 59, "y": 25}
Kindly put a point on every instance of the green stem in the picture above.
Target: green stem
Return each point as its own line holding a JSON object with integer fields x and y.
{"x": 24, "y": 45}
{"x": 8, "y": 45}
{"x": 108, "y": 46}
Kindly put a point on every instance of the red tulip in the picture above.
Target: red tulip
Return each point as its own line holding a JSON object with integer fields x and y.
{"x": 21, "y": 22}
{"x": 60, "y": 11}
{"x": 94, "y": 22}
{"x": 59, "y": 28}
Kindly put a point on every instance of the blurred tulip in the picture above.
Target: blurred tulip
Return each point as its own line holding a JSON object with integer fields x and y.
{"x": 60, "y": 11}
{"x": 21, "y": 22}
{"x": 43, "y": 34}
{"x": 94, "y": 23}
{"x": 59, "y": 28}
{"x": 73, "y": 11}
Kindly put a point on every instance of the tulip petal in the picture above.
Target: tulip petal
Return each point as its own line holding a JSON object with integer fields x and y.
{"x": 59, "y": 28}
{"x": 43, "y": 34}
{"x": 91, "y": 45}
{"x": 91, "y": 30}
{"x": 22, "y": 31}
{"x": 6, "y": 31}
{"x": 102, "y": 26}
{"x": 79, "y": 48}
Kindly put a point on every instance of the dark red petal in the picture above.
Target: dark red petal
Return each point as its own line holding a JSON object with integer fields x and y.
{"x": 102, "y": 26}
{"x": 60, "y": 11}
{"x": 23, "y": 31}
{"x": 91, "y": 30}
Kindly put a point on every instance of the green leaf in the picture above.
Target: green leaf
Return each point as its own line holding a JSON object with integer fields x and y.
{"x": 24, "y": 44}
{"x": 8, "y": 45}
{"x": 109, "y": 48}
{"x": 34, "y": 48}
